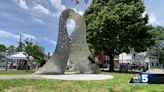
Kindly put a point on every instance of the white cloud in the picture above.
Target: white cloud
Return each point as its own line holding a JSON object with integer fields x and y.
{"x": 8, "y": 35}
{"x": 39, "y": 20}
{"x": 58, "y": 6}
{"x": 22, "y": 4}
{"x": 41, "y": 9}
{"x": 153, "y": 20}
{"x": 5, "y": 34}
{"x": 28, "y": 36}
{"x": 50, "y": 41}
{"x": 80, "y": 12}
{"x": 53, "y": 42}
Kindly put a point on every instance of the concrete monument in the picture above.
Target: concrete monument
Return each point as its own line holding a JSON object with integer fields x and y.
{"x": 74, "y": 48}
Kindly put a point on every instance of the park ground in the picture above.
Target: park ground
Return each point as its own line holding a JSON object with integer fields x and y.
{"x": 120, "y": 83}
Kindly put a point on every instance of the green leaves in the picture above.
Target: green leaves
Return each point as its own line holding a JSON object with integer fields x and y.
{"x": 117, "y": 25}
{"x": 2, "y": 48}
{"x": 158, "y": 36}
{"x": 33, "y": 50}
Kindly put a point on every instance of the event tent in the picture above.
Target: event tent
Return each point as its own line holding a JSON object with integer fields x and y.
{"x": 20, "y": 56}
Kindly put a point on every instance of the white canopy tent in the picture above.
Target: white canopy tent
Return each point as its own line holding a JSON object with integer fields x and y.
{"x": 20, "y": 56}
{"x": 18, "y": 60}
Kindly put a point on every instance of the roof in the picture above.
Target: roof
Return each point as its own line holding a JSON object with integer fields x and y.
{"x": 143, "y": 53}
{"x": 20, "y": 56}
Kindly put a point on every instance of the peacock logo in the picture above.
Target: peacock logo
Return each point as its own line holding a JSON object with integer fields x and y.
{"x": 137, "y": 78}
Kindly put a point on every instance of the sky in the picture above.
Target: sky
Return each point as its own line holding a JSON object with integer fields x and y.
{"x": 39, "y": 19}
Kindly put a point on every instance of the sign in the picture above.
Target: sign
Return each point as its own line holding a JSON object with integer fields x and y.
{"x": 148, "y": 78}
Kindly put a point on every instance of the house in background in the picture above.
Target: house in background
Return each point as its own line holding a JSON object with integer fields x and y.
{"x": 144, "y": 58}
{"x": 19, "y": 60}
{"x": 104, "y": 59}
{"x": 3, "y": 60}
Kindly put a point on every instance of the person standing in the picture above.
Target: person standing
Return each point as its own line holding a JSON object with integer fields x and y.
{"x": 94, "y": 65}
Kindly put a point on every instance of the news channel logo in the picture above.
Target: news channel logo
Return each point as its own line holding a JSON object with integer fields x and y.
{"x": 140, "y": 78}
{"x": 148, "y": 78}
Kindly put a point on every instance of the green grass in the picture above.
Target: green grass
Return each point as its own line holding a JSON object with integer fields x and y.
{"x": 120, "y": 83}
{"x": 14, "y": 72}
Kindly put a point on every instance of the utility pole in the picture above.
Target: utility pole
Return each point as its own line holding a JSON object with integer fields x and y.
{"x": 122, "y": 58}
{"x": 31, "y": 40}
{"x": 134, "y": 57}
{"x": 19, "y": 49}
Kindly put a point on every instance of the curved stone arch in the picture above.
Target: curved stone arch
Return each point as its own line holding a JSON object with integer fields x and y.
{"x": 75, "y": 49}
{"x": 58, "y": 61}
{"x": 79, "y": 50}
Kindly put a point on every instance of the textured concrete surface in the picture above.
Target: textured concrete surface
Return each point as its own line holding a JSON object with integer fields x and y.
{"x": 79, "y": 50}
{"x": 60, "y": 77}
{"x": 75, "y": 48}
{"x": 58, "y": 61}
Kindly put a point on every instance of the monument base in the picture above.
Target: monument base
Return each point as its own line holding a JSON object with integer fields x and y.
{"x": 60, "y": 77}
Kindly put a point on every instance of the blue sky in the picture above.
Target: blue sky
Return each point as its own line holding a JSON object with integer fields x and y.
{"x": 38, "y": 19}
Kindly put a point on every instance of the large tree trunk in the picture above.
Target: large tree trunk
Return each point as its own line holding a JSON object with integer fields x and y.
{"x": 111, "y": 62}
{"x": 111, "y": 54}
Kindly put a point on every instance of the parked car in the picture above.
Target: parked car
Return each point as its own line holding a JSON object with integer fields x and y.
{"x": 125, "y": 67}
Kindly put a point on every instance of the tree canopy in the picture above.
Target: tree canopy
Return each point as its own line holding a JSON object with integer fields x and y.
{"x": 11, "y": 49}
{"x": 34, "y": 50}
{"x": 158, "y": 48}
{"x": 115, "y": 26}
{"x": 2, "y": 48}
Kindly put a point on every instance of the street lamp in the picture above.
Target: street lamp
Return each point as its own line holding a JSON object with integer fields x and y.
{"x": 134, "y": 57}
{"x": 27, "y": 63}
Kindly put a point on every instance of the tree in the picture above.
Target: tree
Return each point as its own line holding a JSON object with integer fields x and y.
{"x": 11, "y": 49}
{"x": 20, "y": 47}
{"x": 2, "y": 48}
{"x": 115, "y": 26}
{"x": 158, "y": 48}
{"x": 34, "y": 50}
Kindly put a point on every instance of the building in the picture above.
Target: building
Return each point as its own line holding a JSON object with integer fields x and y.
{"x": 3, "y": 60}
{"x": 144, "y": 58}
{"x": 104, "y": 59}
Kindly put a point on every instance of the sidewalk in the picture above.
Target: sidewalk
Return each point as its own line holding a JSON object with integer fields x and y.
{"x": 156, "y": 71}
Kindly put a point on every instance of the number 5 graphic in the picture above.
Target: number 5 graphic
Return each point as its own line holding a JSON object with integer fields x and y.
{"x": 144, "y": 78}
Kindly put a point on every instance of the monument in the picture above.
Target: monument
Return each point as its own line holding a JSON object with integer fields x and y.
{"x": 74, "y": 48}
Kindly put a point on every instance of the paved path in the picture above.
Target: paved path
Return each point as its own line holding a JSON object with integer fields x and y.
{"x": 156, "y": 71}
{"x": 79, "y": 77}
{"x": 60, "y": 77}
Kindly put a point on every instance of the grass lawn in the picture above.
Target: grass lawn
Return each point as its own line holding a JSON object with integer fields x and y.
{"x": 120, "y": 83}
{"x": 14, "y": 72}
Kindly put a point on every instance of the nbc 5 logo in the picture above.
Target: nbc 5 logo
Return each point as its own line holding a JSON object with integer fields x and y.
{"x": 144, "y": 78}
